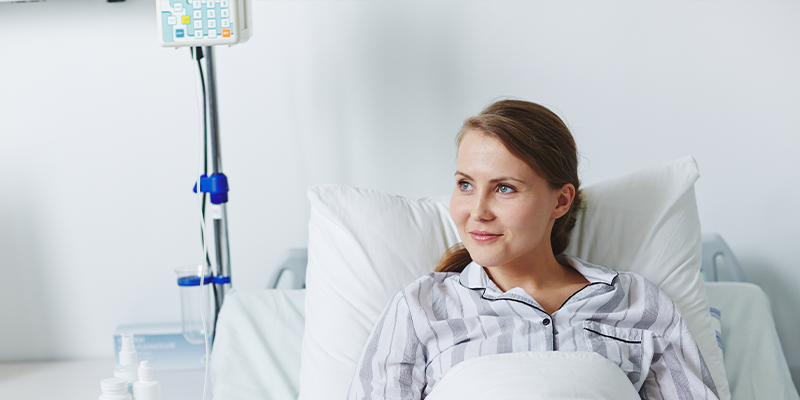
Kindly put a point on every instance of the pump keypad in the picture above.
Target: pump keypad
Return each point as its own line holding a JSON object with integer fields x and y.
{"x": 187, "y": 20}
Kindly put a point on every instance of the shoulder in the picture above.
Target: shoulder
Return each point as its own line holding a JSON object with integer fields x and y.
{"x": 430, "y": 281}
{"x": 624, "y": 282}
{"x": 638, "y": 286}
{"x": 659, "y": 313}
{"x": 430, "y": 287}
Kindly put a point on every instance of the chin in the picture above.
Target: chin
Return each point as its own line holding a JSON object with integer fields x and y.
{"x": 484, "y": 259}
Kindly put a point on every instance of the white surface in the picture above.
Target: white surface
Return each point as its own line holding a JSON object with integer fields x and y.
{"x": 369, "y": 94}
{"x": 536, "y": 376}
{"x": 645, "y": 222}
{"x": 257, "y": 348}
{"x": 80, "y": 380}
{"x": 754, "y": 359}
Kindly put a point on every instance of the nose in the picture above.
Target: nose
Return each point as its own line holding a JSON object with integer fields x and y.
{"x": 482, "y": 210}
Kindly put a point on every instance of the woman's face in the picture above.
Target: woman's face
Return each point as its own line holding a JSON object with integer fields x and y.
{"x": 504, "y": 210}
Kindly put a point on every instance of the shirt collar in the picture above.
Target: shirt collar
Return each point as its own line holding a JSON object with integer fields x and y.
{"x": 474, "y": 277}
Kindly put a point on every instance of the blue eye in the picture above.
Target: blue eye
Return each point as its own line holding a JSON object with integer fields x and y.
{"x": 504, "y": 189}
{"x": 465, "y": 185}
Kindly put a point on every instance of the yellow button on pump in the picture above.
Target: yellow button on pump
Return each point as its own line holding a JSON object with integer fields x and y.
{"x": 186, "y": 20}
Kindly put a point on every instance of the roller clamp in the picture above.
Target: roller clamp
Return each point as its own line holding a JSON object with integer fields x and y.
{"x": 216, "y": 185}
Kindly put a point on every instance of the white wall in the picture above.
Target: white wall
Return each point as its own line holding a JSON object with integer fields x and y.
{"x": 98, "y": 134}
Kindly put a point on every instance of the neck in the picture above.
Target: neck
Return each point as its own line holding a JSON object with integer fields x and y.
{"x": 545, "y": 280}
{"x": 533, "y": 274}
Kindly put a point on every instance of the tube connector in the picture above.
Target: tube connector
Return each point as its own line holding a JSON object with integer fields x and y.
{"x": 216, "y": 185}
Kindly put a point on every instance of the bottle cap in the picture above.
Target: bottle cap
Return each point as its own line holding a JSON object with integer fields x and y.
{"x": 127, "y": 356}
{"x": 145, "y": 371}
{"x": 113, "y": 385}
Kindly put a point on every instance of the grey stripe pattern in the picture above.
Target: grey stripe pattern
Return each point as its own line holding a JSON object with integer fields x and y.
{"x": 442, "y": 319}
{"x": 650, "y": 314}
{"x": 409, "y": 358}
{"x": 677, "y": 373}
{"x": 365, "y": 372}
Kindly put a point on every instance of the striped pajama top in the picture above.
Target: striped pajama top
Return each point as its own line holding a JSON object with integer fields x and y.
{"x": 444, "y": 318}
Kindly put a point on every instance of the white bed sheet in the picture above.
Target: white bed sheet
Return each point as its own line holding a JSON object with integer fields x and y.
{"x": 752, "y": 353}
{"x": 256, "y": 352}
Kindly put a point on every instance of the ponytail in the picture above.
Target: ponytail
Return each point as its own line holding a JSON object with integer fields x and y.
{"x": 454, "y": 259}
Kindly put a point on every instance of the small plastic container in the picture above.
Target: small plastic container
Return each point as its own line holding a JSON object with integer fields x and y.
{"x": 146, "y": 388}
{"x": 192, "y": 291}
{"x": 127, "y": 368}
{"x": 114, "y": 389}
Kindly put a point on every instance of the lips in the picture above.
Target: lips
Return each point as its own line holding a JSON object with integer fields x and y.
{"x": 483, "y": 236}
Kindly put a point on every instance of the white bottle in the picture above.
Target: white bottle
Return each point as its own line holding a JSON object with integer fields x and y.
{"x": 128, "y": 362}
{"x": 114, "y": 389}
{"x": 146, "y": 388}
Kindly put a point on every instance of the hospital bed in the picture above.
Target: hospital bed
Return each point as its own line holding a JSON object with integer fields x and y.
{"x": 260, "y": 334}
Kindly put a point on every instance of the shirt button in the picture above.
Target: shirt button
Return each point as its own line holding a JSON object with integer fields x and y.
{"x": 546, "y": 321}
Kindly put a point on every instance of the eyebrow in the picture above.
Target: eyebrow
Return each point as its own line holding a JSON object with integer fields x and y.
{"x": 495, "y": 180}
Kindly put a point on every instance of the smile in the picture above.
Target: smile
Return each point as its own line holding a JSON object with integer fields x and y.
{"x": 483, "y": 236}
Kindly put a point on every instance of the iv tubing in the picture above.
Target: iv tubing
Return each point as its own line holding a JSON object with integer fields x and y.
{"x": 200, "y": 199}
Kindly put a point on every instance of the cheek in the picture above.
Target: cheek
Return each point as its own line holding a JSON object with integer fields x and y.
{"x": 459, "y": 211}
{"x": 526, "y": 218}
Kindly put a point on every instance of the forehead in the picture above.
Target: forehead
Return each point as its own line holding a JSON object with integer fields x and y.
{"x": 480, "y": 152}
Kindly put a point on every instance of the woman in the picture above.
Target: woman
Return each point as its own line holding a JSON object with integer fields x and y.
{"x": 508, "y": 287}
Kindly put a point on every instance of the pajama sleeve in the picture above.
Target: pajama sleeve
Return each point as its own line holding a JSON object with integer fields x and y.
{"x": 677, "y": 370}
{"x": 392, "y": 364}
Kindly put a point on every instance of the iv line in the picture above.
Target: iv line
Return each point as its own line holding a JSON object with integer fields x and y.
{"x": 201, "y": 203}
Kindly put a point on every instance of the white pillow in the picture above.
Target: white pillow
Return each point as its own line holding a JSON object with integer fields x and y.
{"x": 647, "y": 222}
{"x": 365, "y": 246}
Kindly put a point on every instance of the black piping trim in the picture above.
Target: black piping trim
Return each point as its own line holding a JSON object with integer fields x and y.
{"x": 476, "y": 287}
{"x": 613, "y": 337}
{"x": 552, "y": 319}
{"x": 511, "y": 299}
{"x": 483, "y": 292}
{"x": 484, "y": 288}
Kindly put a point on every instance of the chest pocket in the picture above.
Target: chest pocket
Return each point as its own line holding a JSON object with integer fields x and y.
{"x": 625, "y": 347}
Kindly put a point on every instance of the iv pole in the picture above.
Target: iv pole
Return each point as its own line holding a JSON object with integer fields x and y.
{"x": 217, "y": 186}
{"x": 192, "y": 24}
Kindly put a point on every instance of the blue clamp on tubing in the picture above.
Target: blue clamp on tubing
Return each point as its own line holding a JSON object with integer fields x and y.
{"x": 216, "y": 185}
{"x": 221, "y": 280}
{"x": 194, "y": 280}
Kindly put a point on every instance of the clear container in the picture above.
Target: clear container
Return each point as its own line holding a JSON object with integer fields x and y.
{"x": 191, "y": 293}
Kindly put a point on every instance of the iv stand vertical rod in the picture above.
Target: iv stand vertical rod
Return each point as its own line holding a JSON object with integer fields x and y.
{"x": 221, "y": 249}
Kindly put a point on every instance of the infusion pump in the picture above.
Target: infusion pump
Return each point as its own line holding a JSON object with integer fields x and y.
{"x": 203, "y": 22}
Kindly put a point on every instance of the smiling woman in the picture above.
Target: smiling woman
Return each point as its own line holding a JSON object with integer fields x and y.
{"x": 508, "y": 287}
{"x": 505, "y": 213}
{"x": 513, "y": 200}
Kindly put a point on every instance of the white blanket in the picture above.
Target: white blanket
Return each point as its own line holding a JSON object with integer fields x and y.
{"x": 535, "y": 375}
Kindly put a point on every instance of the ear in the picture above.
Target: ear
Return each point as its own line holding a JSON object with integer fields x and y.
{"x": 564, "y": 197}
